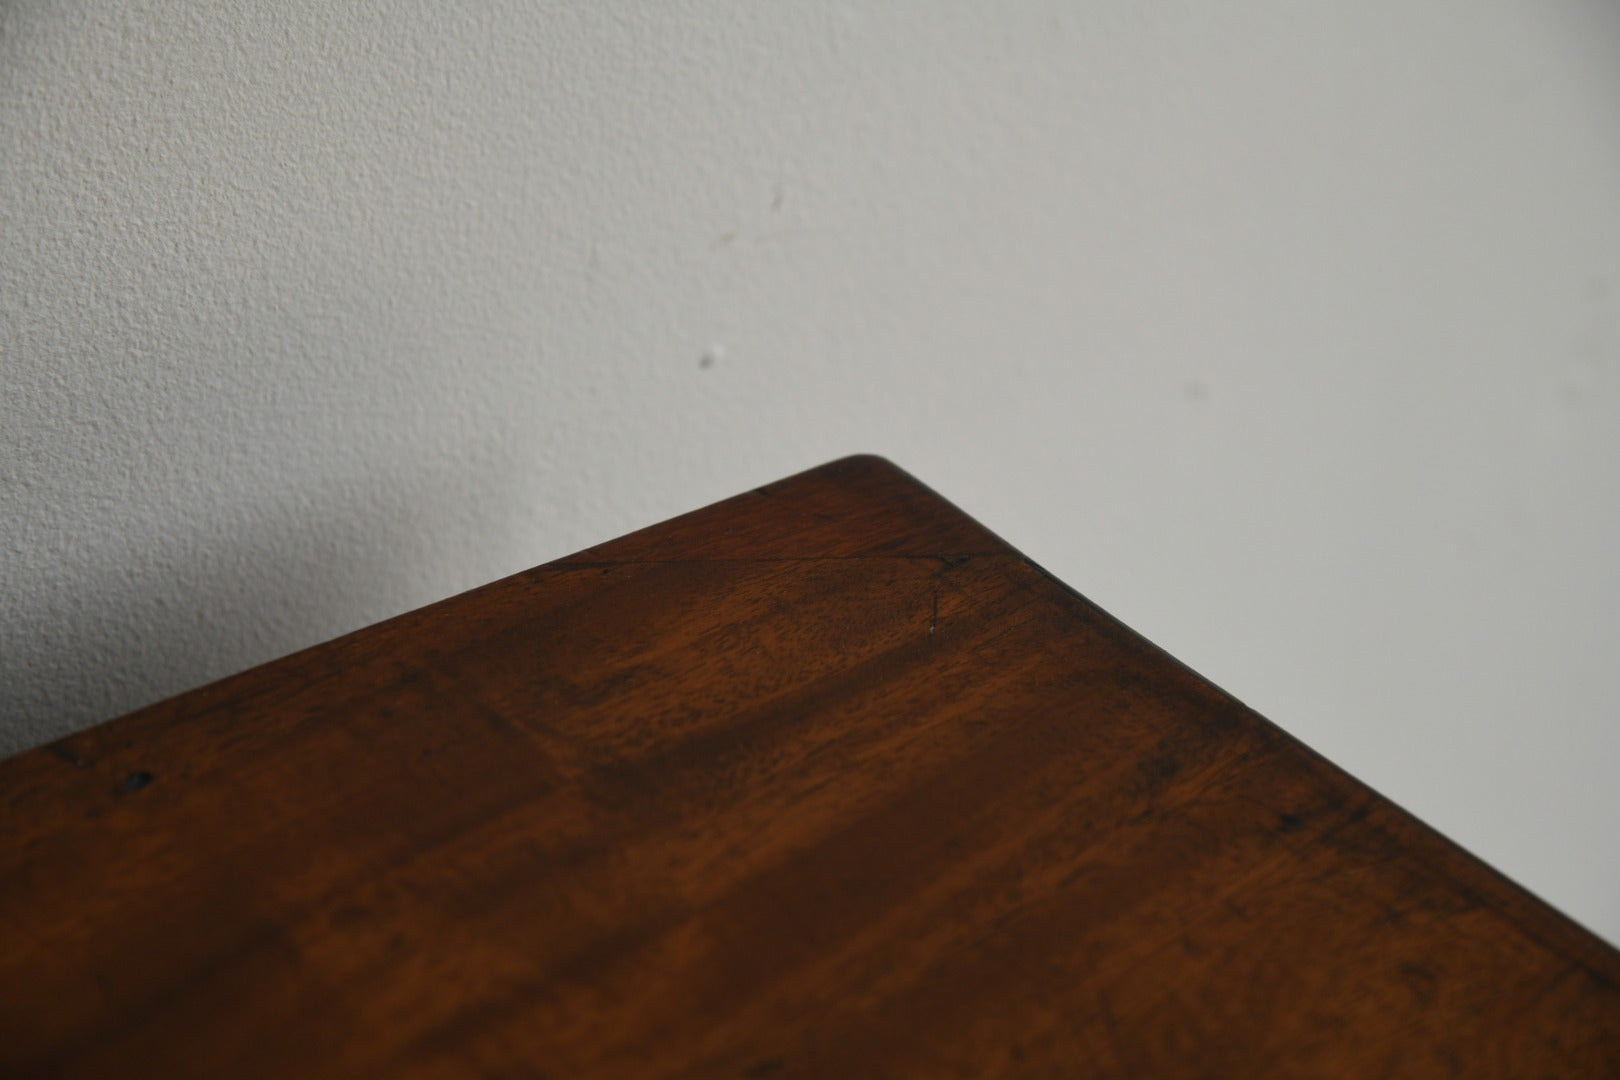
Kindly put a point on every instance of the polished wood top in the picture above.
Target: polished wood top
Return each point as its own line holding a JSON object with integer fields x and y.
{"x": 822, "y": 780}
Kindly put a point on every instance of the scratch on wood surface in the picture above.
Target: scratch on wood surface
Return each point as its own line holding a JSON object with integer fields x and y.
{"x": 61, "y": 751}
{"x": 1111, "y": 1026}
{"x": 950, "y": 561}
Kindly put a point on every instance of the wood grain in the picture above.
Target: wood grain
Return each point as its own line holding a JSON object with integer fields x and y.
{"x": 822, "y": 780}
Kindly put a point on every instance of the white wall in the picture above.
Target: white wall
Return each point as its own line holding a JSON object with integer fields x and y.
{"x": 1288, "y": 332}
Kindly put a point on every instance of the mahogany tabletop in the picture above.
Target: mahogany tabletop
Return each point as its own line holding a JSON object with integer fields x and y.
{"x": 823, "y": 780}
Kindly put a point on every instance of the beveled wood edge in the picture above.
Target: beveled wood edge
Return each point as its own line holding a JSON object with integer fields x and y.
{"x": 872, "y": 465}
{"x": 1536, "y": 917}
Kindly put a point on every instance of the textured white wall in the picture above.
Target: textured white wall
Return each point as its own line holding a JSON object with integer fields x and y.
{"x": 1290, "y": 333}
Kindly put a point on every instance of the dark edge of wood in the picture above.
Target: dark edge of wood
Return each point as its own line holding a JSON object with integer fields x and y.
{"x": 1534, "y": 916}
{"x": 955, "y": 536}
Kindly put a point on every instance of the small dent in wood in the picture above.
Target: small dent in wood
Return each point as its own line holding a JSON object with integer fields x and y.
{"x": 1420, "y": 981}
{"x": 135, "y": 781}
{"x": 1160, "y": 769}
{"x": 61, "y": 751}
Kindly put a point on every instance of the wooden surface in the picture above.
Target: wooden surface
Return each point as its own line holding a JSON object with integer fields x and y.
{"x": 825, "y": 780}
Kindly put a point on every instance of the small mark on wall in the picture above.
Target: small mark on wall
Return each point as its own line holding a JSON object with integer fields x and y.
{"x": 711, "y": 356}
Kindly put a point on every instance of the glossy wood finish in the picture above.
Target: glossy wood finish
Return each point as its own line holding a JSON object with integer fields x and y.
{"x": 822, "y": 780}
